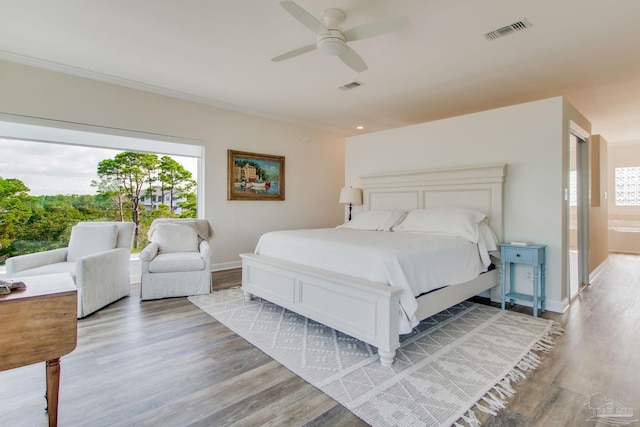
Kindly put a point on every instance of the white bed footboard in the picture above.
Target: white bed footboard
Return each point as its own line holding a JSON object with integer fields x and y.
{"x": 365, "y": 310}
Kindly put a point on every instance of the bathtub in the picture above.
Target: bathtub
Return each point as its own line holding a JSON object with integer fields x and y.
{"x": 624, "y": 236}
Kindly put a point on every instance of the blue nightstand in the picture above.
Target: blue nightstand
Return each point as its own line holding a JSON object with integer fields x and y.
{"x": 533, "y": 255}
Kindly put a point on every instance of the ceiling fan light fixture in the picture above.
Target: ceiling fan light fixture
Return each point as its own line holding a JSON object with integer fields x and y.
{"x": 330, "y": 45}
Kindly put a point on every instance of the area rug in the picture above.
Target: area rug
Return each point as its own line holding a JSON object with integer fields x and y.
{"x": 460, "y": 360}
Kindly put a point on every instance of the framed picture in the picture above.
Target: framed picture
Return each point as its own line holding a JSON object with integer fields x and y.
{"x": 252, "y": 176}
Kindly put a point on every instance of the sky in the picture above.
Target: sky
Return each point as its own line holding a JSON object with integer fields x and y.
{"x": 50, "y": 169}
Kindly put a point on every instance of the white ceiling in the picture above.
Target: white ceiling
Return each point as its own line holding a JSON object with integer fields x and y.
{"x": 218, "y": 52}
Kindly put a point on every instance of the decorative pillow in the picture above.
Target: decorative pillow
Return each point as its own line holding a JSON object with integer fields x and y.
{"x": 91, "y": 239}
{"x": 452, "y": 221}
{"x": 375, "y": 220}
{"x": 176, "y": 238}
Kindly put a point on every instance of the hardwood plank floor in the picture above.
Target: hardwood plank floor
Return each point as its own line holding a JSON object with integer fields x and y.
{"x": 166, "y": 363}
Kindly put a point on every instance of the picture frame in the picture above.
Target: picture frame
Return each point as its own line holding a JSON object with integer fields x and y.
{"x": 254, "y": 176}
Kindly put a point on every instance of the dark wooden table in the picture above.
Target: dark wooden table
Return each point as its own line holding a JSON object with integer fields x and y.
{"x": 39, "y": 324}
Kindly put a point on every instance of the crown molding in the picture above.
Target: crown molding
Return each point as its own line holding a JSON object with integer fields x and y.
{"x": 158, "y": 90}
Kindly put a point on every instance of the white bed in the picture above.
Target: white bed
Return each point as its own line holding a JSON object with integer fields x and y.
{"x": 364, "y": 305}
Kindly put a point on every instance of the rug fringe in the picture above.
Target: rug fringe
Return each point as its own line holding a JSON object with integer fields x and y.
{"x": 470, "y": 419}
{"x": 496, "y": 398}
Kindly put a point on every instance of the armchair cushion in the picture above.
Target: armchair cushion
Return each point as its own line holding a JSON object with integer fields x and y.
{"x": 177, "y": 262}
{"x": 176, "y": 238}
{"x": 89, "y": 240}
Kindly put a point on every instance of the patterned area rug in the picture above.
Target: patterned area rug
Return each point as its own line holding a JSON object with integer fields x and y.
{"x": 460, "y": 360}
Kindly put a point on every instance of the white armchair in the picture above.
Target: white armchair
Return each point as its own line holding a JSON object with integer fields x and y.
{"x": 177, "y": 262}
{"x": 97, "y": 257}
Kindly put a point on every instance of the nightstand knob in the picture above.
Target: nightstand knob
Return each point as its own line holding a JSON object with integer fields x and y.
{"x": 518, "y": 255}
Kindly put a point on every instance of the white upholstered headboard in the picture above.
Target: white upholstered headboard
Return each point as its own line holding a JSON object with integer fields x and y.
{"x": 473, "y": 187}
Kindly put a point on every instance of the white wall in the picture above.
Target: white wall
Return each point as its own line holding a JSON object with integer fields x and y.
{"x": 529, "y": 138}
{"x": 314, "y": 169}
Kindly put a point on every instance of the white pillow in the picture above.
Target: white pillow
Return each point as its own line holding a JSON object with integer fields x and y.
{"x": 91, "y": 239}
{"x": 451, "y": 221}
{"x": 176, "y": 237}
{"x": 375, "y": 220}
{"x": 486, "y": 234}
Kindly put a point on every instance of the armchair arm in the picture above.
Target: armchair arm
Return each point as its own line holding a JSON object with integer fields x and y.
{"x": 102, "y": 278}
{"x": 149, "y": 252}
{"x": 147, "y": 255}
{"x": 37, "y": 259}
{"x": 205, "y": 249}
{"x": 205, "y": 253}
{"x": 97, "y": 267}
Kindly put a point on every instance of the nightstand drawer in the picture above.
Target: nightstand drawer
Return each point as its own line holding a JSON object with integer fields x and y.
{"x": 519, "y": 255}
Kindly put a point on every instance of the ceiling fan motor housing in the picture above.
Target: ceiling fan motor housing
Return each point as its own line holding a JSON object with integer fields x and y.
{"x": 332, "y": 42}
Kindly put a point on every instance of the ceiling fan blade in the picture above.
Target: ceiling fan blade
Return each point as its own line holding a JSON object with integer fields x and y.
{"x": 353, "y": 60}
{"x": 304, "y": 17}
{"x": 295, "y": 52}
{"x": 377, "y": 28}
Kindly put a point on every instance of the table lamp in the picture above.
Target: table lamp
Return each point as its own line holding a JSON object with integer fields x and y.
{"x": 351, "y": 196}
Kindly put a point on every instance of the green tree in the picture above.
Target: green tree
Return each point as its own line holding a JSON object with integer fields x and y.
{"x": 125, "y": 176}
{"x": 175, "y": 181}
{"x": 188, "y": 205}
{"x": 111, "y": 187}
{"x": 16, "y": 207}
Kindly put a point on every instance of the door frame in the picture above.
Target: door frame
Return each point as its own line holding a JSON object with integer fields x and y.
{"x": 582, "y": 209}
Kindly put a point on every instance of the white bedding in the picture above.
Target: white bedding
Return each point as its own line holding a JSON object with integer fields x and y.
{"x": 414, "y": 262}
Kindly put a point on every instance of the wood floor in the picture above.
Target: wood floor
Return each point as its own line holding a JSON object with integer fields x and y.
{"x": 166, "y": 363}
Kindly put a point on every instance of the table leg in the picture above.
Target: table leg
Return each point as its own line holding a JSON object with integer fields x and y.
{"x": 542, "y": 287}
{"x": 535, "y": 291}
{"x": 53, "y": 386}
{"x": 503, "y": 290}
{"x": 512, "y": 279}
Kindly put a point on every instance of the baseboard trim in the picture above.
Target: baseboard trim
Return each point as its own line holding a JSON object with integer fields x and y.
{"x": 598, "y": 270}
{"x": 226, "y": 266}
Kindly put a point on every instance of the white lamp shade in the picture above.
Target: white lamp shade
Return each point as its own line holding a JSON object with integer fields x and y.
{"x": 351, "y": 195}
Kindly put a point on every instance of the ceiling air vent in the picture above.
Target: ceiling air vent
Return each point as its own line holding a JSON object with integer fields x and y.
{"x": 509, "y": 29}
{"x": 354, "y": 84}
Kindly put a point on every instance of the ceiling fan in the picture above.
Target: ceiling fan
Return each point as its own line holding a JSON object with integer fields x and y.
{"x": 331, "y": 40}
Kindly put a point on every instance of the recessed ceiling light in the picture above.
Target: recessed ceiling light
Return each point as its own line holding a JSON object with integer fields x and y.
{"x": 359, "y": 127}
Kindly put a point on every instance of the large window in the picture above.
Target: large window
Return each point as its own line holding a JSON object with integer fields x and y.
{"x": 52, "y": 177}
{"x": 627, "y": 186}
